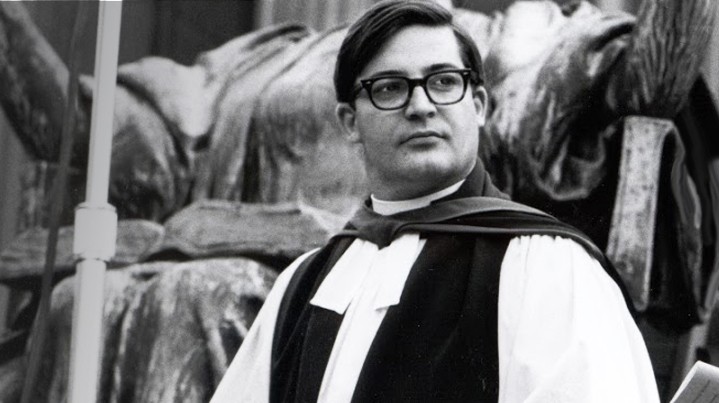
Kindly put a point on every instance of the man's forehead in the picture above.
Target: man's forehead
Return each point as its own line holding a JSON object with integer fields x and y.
{"x": 416, "y": 49}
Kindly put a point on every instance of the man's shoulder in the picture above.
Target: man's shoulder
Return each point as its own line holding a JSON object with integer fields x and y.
{"x": 493, "y": 216}
{"x": 480, "y": 215}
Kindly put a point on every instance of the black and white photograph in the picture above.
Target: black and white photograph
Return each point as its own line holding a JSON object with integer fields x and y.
{"x": 511, "y": 201}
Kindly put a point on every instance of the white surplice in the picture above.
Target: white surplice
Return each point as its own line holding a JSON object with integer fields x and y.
{"x": 565, "y": 334}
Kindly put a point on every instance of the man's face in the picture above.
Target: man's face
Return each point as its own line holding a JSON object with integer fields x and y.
{"x": 422, "y": 147}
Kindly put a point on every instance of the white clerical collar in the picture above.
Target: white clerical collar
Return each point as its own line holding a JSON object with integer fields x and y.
{"x": 389, "y": 207}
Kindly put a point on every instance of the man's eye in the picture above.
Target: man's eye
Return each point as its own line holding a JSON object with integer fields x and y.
{"x": 387, "y": 87}
{"x": 445, "y": 81}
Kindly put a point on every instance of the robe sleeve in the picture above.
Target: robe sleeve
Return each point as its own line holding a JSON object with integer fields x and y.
{"x": 248, "y": 377}
{"x": 565, "y": 333}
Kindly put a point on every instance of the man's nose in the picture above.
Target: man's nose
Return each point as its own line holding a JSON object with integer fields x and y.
{"x": 419, "y": 103}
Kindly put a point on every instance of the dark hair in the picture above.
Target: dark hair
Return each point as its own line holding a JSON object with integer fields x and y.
{"x": 380, "y": 23}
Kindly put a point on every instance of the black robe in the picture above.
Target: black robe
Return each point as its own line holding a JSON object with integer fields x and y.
{"x": 440, "y": 341}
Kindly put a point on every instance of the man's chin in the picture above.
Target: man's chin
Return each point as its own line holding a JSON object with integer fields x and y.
{"x": 436, "y": 174}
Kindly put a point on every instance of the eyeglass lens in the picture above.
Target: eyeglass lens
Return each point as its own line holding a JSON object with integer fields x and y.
{"x": 441, "y": 88}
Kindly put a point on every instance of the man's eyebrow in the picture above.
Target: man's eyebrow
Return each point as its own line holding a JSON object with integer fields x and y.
{"x": 427, "y": 70}
{"x": 392, "y": 72}
{"x": 442, "y": 66}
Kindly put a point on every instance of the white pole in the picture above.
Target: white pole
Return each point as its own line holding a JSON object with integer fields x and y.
{"x": 95, "y": 220}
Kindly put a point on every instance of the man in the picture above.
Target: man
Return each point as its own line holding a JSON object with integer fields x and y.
{"x": 439, "y": 288}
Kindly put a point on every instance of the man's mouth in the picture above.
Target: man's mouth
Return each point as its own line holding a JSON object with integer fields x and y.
{"x": 423, "y": 134}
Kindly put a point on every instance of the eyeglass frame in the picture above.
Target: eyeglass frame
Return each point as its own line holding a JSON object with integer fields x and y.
{"x": 468, "y": 75}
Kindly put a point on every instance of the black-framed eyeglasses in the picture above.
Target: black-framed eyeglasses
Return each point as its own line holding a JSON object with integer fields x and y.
{"x": 444, "y": 87}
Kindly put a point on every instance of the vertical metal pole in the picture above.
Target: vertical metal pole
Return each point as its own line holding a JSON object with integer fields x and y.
{"x": 95, "y": 220}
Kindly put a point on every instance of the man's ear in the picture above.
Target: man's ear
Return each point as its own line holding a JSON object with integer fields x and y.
{"x": 480, "y": 103}
{"x": 346, "y": 115}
